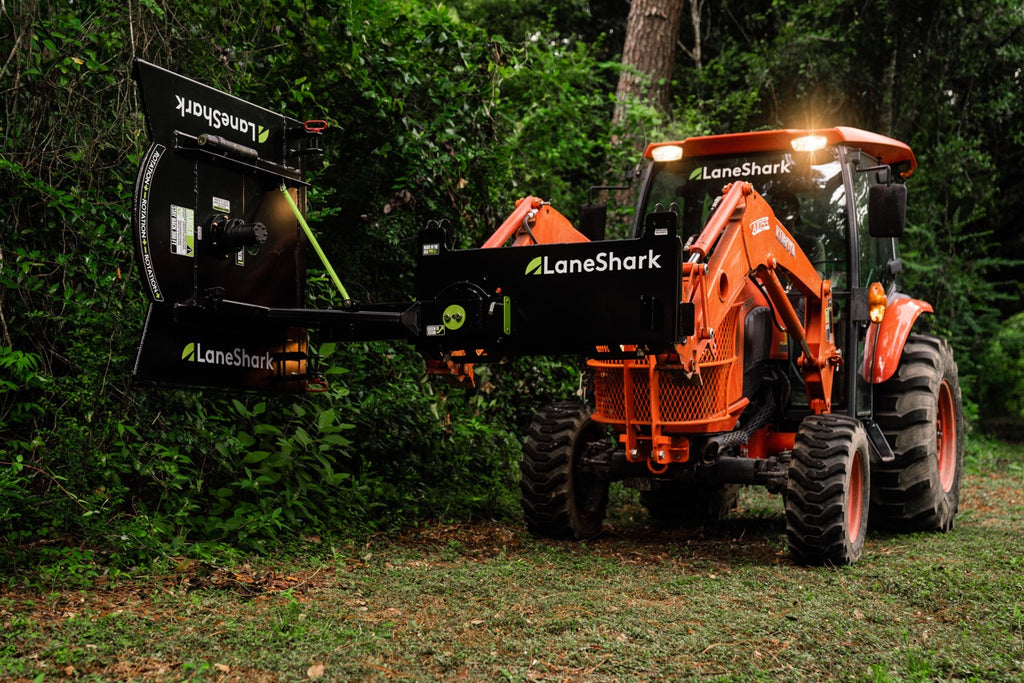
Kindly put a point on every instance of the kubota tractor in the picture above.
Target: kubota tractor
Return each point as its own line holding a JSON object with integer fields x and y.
{"x": 800, "y": 371}
{"x": 751, "y": 331}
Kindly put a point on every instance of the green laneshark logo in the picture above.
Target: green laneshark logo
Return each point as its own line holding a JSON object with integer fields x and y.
{"x": 238, "y": 357}
{"x": 217, "y": 119}
{"x": 601, "y": 262}
{"x": 744, "y": 170}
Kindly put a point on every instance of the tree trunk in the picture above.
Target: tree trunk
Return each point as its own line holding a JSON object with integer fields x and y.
{"x": 648, "y": 55}
{"x": 696, "y": 54}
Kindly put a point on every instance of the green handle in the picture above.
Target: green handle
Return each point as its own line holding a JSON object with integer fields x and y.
{"x": 316, "y": 245}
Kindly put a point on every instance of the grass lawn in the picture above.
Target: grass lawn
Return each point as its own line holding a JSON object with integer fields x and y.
{"x": 486, "y": 601}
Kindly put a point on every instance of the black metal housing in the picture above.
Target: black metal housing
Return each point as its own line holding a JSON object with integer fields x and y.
{"x": 223, "y": 263}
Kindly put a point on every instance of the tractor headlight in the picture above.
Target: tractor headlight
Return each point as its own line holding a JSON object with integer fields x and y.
{"x": 667, "y": 153}
{"x": 809, "y": 143}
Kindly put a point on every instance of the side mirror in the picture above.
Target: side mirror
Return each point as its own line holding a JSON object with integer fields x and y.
{"x": 887, "y": 210}
{"x": 593, "y": 219}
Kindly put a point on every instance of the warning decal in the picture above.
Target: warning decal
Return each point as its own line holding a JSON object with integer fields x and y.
{"x": 183, "y": 231}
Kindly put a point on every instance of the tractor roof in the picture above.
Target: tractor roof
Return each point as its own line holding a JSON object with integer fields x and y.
{"x": 885, "y": 149}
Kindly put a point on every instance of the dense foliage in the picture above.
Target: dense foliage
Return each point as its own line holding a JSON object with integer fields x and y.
{"x": 434, "y": 112}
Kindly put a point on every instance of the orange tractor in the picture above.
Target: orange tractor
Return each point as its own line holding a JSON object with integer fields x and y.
{"x": 800, "y": 372}
{"x": 750, "y": 332}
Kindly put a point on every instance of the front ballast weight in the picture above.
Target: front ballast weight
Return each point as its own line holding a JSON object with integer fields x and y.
{"x": 220, "y": 241}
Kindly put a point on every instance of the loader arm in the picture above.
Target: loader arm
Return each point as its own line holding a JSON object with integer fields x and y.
{"x": 534, "y": 221}
{"x": 744, "y": 242}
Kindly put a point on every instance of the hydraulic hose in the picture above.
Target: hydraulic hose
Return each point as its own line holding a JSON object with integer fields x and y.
{"x": 741, "y": 435}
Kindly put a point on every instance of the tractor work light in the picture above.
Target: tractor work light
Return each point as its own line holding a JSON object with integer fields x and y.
{"x": 809, "y": 143}
{"x": 877, "y": 302}
{"x": 667, "y": 153}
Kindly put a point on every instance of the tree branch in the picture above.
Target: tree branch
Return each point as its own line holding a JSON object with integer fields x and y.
{"x": 3, "y": 320}
{"x": 49, "y": 476}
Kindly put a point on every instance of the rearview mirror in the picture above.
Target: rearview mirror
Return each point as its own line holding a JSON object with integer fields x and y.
{"x": 887, "y": 210}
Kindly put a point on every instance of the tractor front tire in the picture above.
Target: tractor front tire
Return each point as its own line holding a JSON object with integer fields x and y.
{"x": 920, "y": 411}
{"x": 558, "y": 500}
{"x": 827, "y": 492}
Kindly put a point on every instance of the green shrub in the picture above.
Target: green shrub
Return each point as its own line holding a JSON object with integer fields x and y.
{"x": 1002, "y": 380}
{"x": 413, "y": 95}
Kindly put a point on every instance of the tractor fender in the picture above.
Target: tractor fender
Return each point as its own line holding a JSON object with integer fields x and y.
{"x": 885, "y": 340}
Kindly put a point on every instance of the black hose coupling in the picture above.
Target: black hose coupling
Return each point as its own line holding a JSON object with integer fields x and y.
{"x": 226, "y": 235}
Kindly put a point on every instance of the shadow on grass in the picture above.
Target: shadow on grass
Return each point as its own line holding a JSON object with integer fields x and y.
{"x": 753, "y": 533}
{"x": 737, "y": 539}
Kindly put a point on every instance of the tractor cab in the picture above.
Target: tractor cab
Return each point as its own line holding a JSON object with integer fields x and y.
{"x": 817, "y": 182}
{"x": 819, "y": 186}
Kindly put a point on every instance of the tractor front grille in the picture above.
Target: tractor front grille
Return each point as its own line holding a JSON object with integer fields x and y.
{"x": 682, "y": 401}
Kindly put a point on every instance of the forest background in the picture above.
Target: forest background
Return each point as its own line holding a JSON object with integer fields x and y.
{"x": 436, "y": 111}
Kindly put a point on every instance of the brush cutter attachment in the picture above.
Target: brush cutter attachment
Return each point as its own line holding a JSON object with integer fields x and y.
{"x": 220, "y": 243}
{"x": 212, "y": 225}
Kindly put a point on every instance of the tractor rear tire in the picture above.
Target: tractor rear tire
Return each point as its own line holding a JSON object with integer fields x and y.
{"x": 558, "y": 500}
{"x": 689, "y": 503}
{"x": 920, "y": 411}
{"x": 827, "y": 492}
